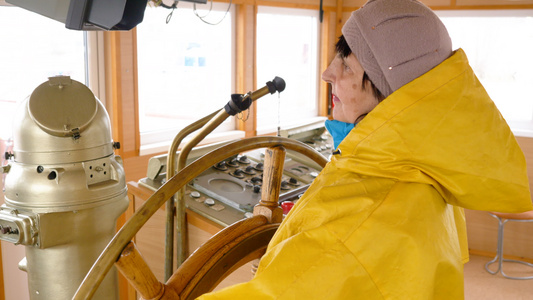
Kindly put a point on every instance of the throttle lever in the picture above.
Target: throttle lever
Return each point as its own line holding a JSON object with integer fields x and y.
{"x": 241, "y": 102}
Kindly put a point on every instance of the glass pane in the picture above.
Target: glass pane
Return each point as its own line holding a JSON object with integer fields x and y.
{"x": 184, "y": 69}
{"x": 499, "y": 47}
{"x": 32, "y": 49}
{"x": 287, "y": 46}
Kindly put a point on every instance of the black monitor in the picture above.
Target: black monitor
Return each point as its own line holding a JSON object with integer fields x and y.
{"x": 91, "y": 14}
{"x": 105, "y": 14}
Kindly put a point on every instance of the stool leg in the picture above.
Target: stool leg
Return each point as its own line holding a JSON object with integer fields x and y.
{"x": 514, "y": 261}
{"x": 499, "y": 248}
{"x": 499, "y": 252}
{"x": 520, "y": 262}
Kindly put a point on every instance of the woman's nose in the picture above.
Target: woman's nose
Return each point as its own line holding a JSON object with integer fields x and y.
{"x": 327, "y": 75}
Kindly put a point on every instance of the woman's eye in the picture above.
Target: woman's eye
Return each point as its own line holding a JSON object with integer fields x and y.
{"x": 345, "y": 66}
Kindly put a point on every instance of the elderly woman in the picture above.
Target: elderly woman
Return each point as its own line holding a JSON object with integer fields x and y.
{"x": 417, "y": 139}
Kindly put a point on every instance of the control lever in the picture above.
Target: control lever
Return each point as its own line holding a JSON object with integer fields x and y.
{"x": 241, "y": 102}
{"x": 237, "y": 104}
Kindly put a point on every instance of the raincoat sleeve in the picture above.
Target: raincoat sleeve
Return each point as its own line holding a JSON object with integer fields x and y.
{"x": 305, "y": 273}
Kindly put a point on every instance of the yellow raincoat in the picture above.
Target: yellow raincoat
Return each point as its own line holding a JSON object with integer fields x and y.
{"x": 383, "y": 219}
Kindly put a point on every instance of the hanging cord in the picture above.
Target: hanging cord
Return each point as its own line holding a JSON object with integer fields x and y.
{"x": 209, "y": 11}
{"x": 162, "y": 4}
{"x": 279, "y": 114}
{"x": 173, "y": 7}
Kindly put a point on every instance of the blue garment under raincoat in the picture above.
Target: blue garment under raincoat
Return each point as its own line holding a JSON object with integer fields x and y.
{"x": 384, "y": 218}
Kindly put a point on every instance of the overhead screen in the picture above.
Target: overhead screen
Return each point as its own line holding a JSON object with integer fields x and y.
{"x": 90, "y": 14}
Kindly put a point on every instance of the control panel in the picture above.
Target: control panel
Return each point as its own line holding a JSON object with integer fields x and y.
{"x": 228, "y": 191}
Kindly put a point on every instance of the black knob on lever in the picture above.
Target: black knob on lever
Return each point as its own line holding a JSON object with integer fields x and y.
{"x": 240, "y": 102}
{"x": 276, "y": 85}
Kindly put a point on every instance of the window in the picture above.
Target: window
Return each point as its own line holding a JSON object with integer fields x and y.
{"x": 499, "y": 46}
{"x": 34, "y": 48}
{"x": 185, "y": 70}
{"x": 287, "y": 46}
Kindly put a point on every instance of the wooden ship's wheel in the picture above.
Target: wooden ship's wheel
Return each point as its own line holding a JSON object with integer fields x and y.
{"x": 232, "y": 247}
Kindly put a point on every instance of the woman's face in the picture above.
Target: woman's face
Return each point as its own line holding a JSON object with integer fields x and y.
{"x": 350, "y": 100}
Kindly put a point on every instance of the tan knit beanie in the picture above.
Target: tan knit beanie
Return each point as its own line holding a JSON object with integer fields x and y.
{"x": 396, "y": 41}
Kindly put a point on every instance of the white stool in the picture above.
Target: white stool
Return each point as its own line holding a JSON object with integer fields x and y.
{"x": 502, "y": 219}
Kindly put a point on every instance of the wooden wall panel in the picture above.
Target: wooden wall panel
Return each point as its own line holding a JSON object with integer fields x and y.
{"x": 526, "y": 144}
{"x": 493, "y": 2}
{"x": 121, "y": 62}
{"x": 435, "y": 3}
{"x": 128, "y": 80}
{"x": 353, "y": 4}
{"x": 136, "y": 167}
{"x": 326, "y": 51}
{"x": 309, "y": 4}
{"x": 245, "y": 61}
{"x": 350, "y": 5}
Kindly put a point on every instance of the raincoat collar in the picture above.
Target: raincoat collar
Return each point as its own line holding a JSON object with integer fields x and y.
{"x": 443, "y": 129}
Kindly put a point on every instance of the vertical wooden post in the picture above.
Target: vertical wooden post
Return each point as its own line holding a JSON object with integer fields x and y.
{"x": 325, "y": 45}
{"x": 121, "y": 90}
{"x": 245, "y": 63}
{"x": 338, "y": 17}
{"x": 272, "y": 177}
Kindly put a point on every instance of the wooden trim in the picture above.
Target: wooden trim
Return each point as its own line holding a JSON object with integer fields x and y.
{"x": 128, "y": 154}
{"x": 240, "y": 57}
{"x": 121, "y": 61}
{"x": 203, "y": 223}
{"x": 240, "y": 46}
{"x": 526, "y": 144}
{"x": 129, "y": 141}
{"x": 483, "y": 7}
{"x": 338, "y": 17}
{"x": 323, "y": 94}
{"x": 253, "y": 109}
{"x": 278, "y": 4}
{"x": 245, "y": 59}
{"x": 293, "y": 5}
{"x": 136, "y": 94}
{"x": 453, "y": 6}
{"x": 114, "y": 88}
{"x": 136, "y": 166}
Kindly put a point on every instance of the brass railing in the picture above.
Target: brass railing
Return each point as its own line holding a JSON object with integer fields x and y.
{"x": 175, "y": 207}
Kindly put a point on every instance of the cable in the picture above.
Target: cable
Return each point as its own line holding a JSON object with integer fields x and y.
{"x": 162, "y": 4}
{"x": 210, "y": 8}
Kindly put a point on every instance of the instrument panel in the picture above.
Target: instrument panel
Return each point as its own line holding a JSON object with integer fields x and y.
{"x": 228, "y": 191}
